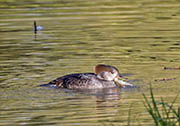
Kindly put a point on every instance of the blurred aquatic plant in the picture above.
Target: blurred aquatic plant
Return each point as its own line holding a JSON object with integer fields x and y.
{"x": 162, "y": 113}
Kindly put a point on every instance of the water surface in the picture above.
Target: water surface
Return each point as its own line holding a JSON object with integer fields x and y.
{"x": 139, "y": 37}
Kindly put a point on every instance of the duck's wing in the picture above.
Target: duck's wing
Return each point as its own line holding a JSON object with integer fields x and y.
{"x": 80, "y": 80}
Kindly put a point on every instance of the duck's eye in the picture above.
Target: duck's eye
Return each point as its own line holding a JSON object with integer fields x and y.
{"x": 112, "y": 72}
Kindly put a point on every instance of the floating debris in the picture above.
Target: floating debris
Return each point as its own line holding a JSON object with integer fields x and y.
{"x": 168, "y": 68}
{"x": 165, "y": 79}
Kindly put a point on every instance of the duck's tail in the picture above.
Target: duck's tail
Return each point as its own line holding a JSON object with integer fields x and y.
{"x": 48, "y": 85}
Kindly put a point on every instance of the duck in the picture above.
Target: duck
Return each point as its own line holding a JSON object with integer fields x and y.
{"x": 104, "y": 76}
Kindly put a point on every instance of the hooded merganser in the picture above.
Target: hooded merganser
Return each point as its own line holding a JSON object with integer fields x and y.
{"x": 105, "y": 76}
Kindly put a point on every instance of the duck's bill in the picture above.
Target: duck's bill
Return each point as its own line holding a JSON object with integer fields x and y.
{"x": 120, "y": 76}
{"x": 122, "y": 83}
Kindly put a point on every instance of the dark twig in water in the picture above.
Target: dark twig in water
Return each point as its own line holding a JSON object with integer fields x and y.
{"x": 35, "y": 27}
{"x": 165, "y": 79}
{"x": 168, "y": 68}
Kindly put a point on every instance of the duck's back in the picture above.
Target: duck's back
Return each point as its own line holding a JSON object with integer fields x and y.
{"x": 81, "y": 81}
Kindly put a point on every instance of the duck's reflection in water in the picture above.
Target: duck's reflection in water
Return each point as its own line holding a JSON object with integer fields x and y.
{"x": 107, "y": 94}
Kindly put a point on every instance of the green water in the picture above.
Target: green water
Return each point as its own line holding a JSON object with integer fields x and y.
{"x": 139, "y": 37}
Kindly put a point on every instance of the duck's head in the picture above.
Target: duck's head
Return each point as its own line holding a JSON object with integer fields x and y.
{"x": 109, "y": 73}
